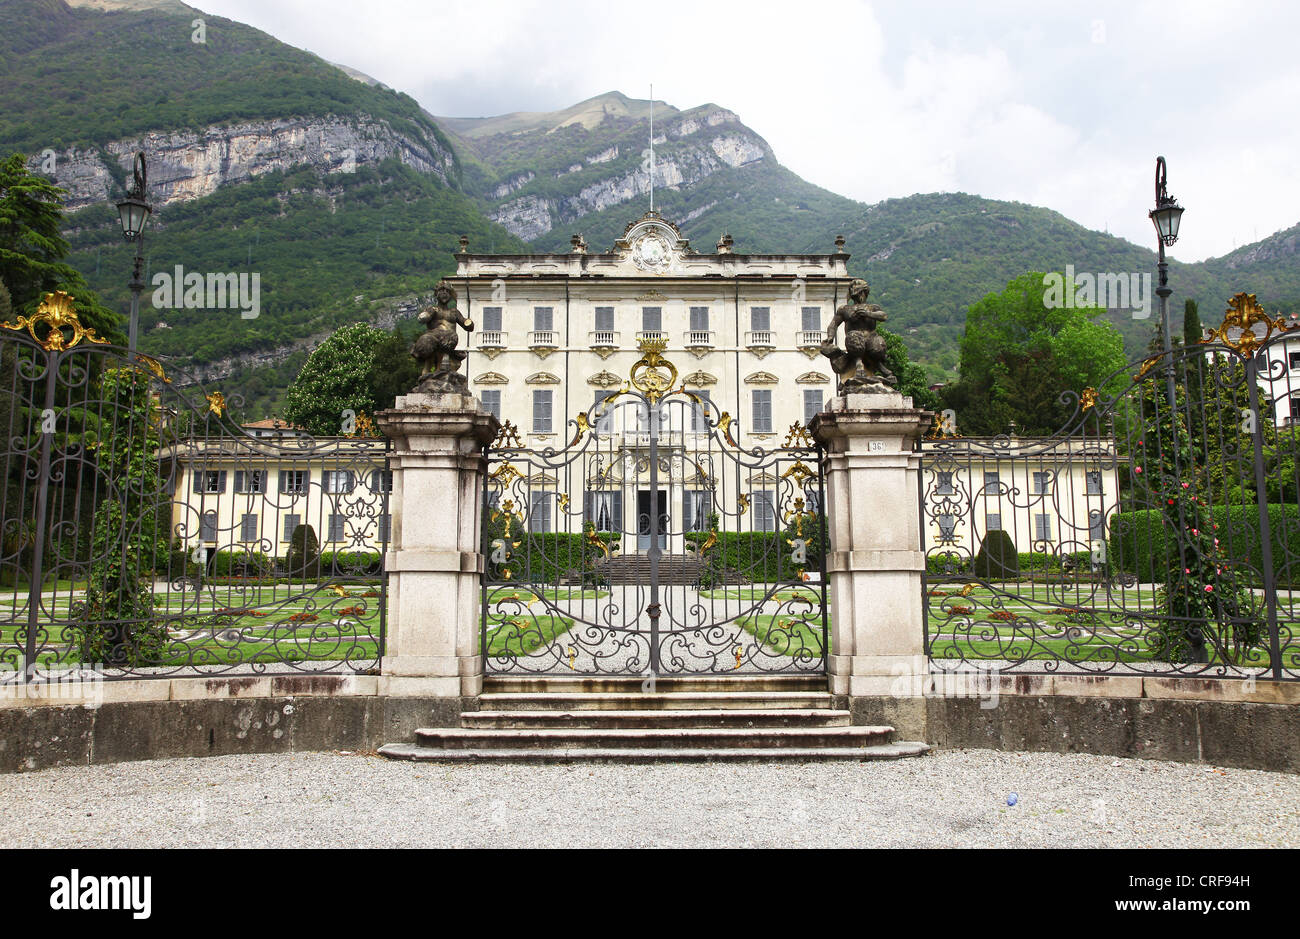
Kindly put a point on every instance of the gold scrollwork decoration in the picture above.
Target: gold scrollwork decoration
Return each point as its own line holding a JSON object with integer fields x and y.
{"x": 153, "y": 365}
{"x": 562, "y": 500}
{"x": 652, "y": 374}
{"x": 507, "y": 437}
{"x": 56, "y": 310}
{"x": 742, "y": 504}
{"x": 217, "y": 403}
{"x": 505, "y": 474}
{"x": 1088, "y": 399}
{"x": 801, "y": 474}
{"x": 1243, "y": 313}
{"x": 584, "y": 426}
{"x": 798, "y": 437}
{"x": 597, "y": 542}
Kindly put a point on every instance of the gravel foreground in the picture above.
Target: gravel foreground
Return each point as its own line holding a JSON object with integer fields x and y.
{"x": 954, "y": 798}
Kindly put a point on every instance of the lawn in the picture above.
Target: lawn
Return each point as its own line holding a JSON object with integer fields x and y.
{"x": 513, "y": 636}
{"x": 784, "y": 634}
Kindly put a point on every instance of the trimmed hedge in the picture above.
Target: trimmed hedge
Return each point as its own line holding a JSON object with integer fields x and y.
{"x": 548, "y": 557}
{"x": 997, "y": 558}
{"x": 237, "y": 563}
{"x": 1140, "y": 542}
{"x": 758, "y": 556}
{"x": 350, "y": 563}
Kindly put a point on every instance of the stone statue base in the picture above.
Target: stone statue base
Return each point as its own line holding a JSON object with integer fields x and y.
{"x": 442, "y": 383}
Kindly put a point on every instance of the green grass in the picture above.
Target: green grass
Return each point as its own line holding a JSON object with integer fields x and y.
{"x": 784, "y": 634}
{"x": 758, "y": 593}
{"x": 532, "y": 594}
{"x": 523, "y": 635}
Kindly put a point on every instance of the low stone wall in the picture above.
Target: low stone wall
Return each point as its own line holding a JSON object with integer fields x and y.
{"x": 159, "y": 719}
{"x": 1183, "y": 719}
{"x": 1188, "y": 720}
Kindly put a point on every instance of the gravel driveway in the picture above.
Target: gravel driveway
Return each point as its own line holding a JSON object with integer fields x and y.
{"x": 951, "y": 798}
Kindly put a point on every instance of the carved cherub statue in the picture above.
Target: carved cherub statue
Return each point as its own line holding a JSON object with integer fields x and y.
{"x": 436, "y": 348}
{"x": 861, "y": 363}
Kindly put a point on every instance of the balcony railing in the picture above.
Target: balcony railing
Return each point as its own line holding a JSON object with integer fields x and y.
{"x": 491, "y": 339}
{"x": 643, "y": 334}
{"x": 700, "y": 339}
{"x": 603, "y": 339}
{"x": 809, "y": 339}
{"x": 543, "y": 339}
{"x": 760, "y": 339}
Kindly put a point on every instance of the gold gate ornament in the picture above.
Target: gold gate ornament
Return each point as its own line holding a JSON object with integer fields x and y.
{"x": 56, "y": 311}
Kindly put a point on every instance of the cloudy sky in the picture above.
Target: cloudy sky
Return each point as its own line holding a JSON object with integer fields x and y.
{"x": 1059, "y": 105}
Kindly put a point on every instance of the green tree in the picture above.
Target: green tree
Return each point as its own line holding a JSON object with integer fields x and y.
{"x": 32, "y": 249}
{"x": 338, "y": 377}
{"x": 394, "y": 371}
{"x": 912, "y": 380}
{"x": 1018, "y": 355}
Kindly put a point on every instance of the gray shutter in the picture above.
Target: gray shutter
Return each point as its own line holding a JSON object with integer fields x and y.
{"x": 543, "y": 318}
{"x": 196, "y": 482}
{"x": 699, "y": 319}
{"x": 385, "y": 527}
{"x": 290, "y": 523}
{"x": 541, "y": 411}
{"x": 812, "y": 319}
{"x": 762, "y": 399}
{"x": 248, "y": 528}
{"x": 239, "y": 480}
{"x": 221, "y": 482}
{"x": 812, "y": 404}
{"x": 760, "y": 318}
{"x": 652, "y": 318}
{"x": 605, "y": 318}
{"x": 492, "y": 319}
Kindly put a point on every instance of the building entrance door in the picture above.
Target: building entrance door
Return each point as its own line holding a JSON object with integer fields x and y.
{"x": 643, "y": 536}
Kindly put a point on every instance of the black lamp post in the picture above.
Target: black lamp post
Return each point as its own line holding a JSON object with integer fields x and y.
{"x": 1165, "y": 216}
{"x": 134, "y": 212}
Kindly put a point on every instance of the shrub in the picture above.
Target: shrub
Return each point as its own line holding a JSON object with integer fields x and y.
{"x": 947, "y": 563}
{"x": 351, "y": 563}
{"x": 1140, "y": 543}
{"x": 997, "y": 558}
{"x": 303, "y": 560}
{"x": 238, "y": 562}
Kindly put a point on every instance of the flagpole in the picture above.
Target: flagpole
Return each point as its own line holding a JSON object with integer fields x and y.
{"x": 652, "y": 146}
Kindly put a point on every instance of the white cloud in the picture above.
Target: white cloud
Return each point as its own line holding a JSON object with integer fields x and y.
{"x": 1056, "y": 107}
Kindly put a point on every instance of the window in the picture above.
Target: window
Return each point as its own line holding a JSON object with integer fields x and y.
{"x": 943, "y": 485}
{"x": 604, "y": 418}
{"x": 492, "y": 319}
{"x": 294, "y": 481}
{"x": 812, "y": 404}
{"x": 764, "y": 511}
{"x": 700, "y": 413}
{"x": 1293, "y": 359}
{"x": 491, "y": 402}
{"x": 604, "y": 510}
{"x": 290, "y": 523}
{"x": 993, "y": 521}
{"x": 539, "y": 515}
{"x": 1096, "y": 525}
{"x": 762, "y": 399}
{"x": 605, "y": 318}
{"x": 381, "y": 481}
{"x": 812, "y": 500}
{"x": 1295, "y": 410}
{"x": 336, "y": 527}
{"x": 1092, "y": 479}
{"x": 210, "y": 481}
{"x": 338, "y": 481}
{"x": 696, "y": 506}
{"x": 250, "y": 481}
{"x": 1042, "y": 483}
{"x": 385, "y": 527}
{"x": 208, "y": 527}
{"x": 248, "y": 528}
{"x": 947, "y": 527}
{"x": 543, "y": 318}
{"x": 541, "y": 411}
{"x": 699, "y": 319}
{"x": 812, "y": 319}
{"x": 652, "y": 318}
{"x": 760, "y": 318}
{"x": 990, "y": 483}
{"x": 1042, "y": 528}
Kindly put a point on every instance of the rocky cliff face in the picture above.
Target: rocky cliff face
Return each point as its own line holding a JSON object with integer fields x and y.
{"x": 690, "y": 146}
{"x": 185, "y": 165}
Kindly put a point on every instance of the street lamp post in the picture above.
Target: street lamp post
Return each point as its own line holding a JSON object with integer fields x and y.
{"x": 134, "y": 213}
{"x": 1166, "y": 217}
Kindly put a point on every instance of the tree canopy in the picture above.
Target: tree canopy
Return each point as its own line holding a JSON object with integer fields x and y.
{"x": 359, "y": 369}
{"x": 1018, "y": 356}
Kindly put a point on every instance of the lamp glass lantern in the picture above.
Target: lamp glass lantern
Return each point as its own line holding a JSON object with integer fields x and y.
{"x": 134, "y": 214}
{"x": 1166, "y": 217}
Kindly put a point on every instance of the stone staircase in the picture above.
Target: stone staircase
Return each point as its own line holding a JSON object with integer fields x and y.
{"x": 562, "y": 720}
{"x": 674, "y": 569}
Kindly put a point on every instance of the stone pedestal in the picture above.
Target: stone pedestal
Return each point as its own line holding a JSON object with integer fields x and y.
{"x": 875, "y": 561}
{"x": 433, "y": 558}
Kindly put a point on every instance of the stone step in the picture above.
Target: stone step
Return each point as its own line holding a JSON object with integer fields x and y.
{"x": 885, "y": 751}
{"x": 598, "y": 719}
{"x": 633, "y": 684}
{"x": 659, "y": 701}
{"x": 713, "y": 738}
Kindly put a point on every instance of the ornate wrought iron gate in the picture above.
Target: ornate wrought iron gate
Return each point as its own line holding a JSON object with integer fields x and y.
{"x": 1157, "y": 533}
{"x": 653, "y": 543}
{"x": 144, "y": 533}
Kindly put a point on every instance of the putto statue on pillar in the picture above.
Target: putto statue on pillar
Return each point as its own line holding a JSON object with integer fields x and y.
{"x": 435, "y": 348}
{"x": 861, "y": 363}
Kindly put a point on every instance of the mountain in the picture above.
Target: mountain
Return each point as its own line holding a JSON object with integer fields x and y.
{"x": 347, "y": 198}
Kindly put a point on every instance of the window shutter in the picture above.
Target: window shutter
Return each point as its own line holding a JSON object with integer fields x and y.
{"x": 385, "y": 527}
{"x": 248, "y": 526}
{"x": 290, "y": 523}
{"x": 492, "y": 402}
{"x": 699, "y": 319}
{"x": 221, "y": 482}
{"x": 197, "y": 482}
{"x": 543, "y": 318}
{"x": 652, "y": 319}
{"x": 762, "y": 399}
{"x": 492, "y": 319}
{"x": 541, "y": 411}
{"x": 812, "y": 404}
{"x": 812, "y": 319}
{"x": 605, "y": 318}
{"x": 760, "y": 318}
{"x": 239, "y": 481}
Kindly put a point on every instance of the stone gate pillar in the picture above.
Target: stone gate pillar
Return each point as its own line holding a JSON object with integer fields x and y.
{"x": 875, "y": 562}
{"x": 433, "y": 558}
